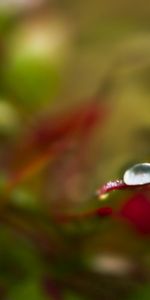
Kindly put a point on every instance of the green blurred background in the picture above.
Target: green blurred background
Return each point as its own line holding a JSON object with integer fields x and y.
{"x": 57, "y": 57}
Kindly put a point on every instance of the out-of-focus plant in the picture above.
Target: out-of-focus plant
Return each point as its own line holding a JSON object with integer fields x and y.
{"x": 35, "y": 59}
{"x": 58, "y": 240}
{"x": 25, "y": 211}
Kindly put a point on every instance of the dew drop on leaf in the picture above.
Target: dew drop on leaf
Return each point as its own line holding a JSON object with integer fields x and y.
{"x": 138, "y": 174}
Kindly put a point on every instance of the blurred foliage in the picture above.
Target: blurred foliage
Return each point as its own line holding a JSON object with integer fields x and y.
{"x": 74, "y": 114}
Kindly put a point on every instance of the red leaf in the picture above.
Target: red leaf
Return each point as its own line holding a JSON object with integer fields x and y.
{"x": 104, "y": 211}
{"x": 137, "y": 211}
{"x": 75, "y": 122}
{"x": 119, "y": 185}
{"x": 36, "y": 148}
{"x": 111, "y": 186}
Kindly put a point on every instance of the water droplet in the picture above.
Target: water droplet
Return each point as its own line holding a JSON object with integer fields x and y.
{"x": 139, "y": 174}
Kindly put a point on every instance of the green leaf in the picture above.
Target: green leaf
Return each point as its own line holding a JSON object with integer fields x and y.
{"x": 27, "y": 290}
{"x": 18, "y": 259}
{"x": 70, "y": 295}
{"x": 142, "y": 293}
